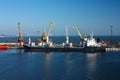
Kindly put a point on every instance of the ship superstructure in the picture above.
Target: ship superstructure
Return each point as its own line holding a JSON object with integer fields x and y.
{"x": 87, "y": 42}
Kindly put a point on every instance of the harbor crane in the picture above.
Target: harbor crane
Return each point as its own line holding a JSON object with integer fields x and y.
{"x": 67, "y": 44}
{"x": 20, "y": 37}
{"x": 67, "y": 37}
{"x": 45, "y": 36}
{"x": 49, "y": 29}
{"x": 81, "y": 36}
{"x": 87, "y": 41}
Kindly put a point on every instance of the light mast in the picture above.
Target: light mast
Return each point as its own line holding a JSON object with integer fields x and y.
{"x": 67, "y": 37}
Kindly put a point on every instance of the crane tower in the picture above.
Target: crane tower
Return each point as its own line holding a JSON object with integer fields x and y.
{"x": 20, "y": 37}
{"x": 45, "y": 36}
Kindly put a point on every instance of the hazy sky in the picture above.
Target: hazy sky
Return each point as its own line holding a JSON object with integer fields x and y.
{"x": 90, "y": 15}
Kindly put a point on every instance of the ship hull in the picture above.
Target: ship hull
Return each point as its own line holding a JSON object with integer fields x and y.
{"x": 65, "y": 49}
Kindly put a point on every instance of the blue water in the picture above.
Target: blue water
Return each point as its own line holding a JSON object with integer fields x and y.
{"x": 17, "y": 64}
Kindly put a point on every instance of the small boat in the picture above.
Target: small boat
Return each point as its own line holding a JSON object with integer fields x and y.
{"x": 4, "y": 47}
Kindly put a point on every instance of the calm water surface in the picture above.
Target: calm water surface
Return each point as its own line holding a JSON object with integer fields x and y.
{"x": 19, "y": 65}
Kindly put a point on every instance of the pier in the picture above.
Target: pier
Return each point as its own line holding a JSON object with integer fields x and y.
{"x": 10, "y": 44}
{"x": 112, "y": 49}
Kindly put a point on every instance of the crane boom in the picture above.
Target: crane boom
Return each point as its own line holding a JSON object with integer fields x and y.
{"x": 49, "y": 29}
{"x": 76, "y": 28}
{"x": 18, "y": 27}
{"x": 45, "y": 36}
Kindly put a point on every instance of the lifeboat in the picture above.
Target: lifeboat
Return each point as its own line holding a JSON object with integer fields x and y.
{"x": 4, "y": 47}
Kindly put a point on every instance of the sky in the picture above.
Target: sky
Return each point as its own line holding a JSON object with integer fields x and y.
{"x": 90, "y": 15}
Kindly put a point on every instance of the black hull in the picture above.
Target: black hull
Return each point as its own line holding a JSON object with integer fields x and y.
{"x": 65, "y": 49}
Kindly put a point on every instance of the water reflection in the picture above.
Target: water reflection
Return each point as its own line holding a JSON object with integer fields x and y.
{"x": 67, "y": 65}
{"x": 20, "y": 51}
{"x": 57, "y": 64}
{"x": 47, "y": 65}
{"x": 62, "y": 66}
{"x": 91, "y": 64}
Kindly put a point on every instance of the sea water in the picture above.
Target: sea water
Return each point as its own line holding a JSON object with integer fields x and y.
{"x": 16, "y": 64}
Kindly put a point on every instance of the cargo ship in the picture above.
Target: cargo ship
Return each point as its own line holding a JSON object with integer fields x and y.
{"x": 45, "y": 45}
{"x": 64, "y": 49}
{"x": 87, "y": 45}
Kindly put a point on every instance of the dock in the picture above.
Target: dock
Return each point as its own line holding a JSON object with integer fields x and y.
{"x": 10, "y": 44}
{"x": 112, "y": 49}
